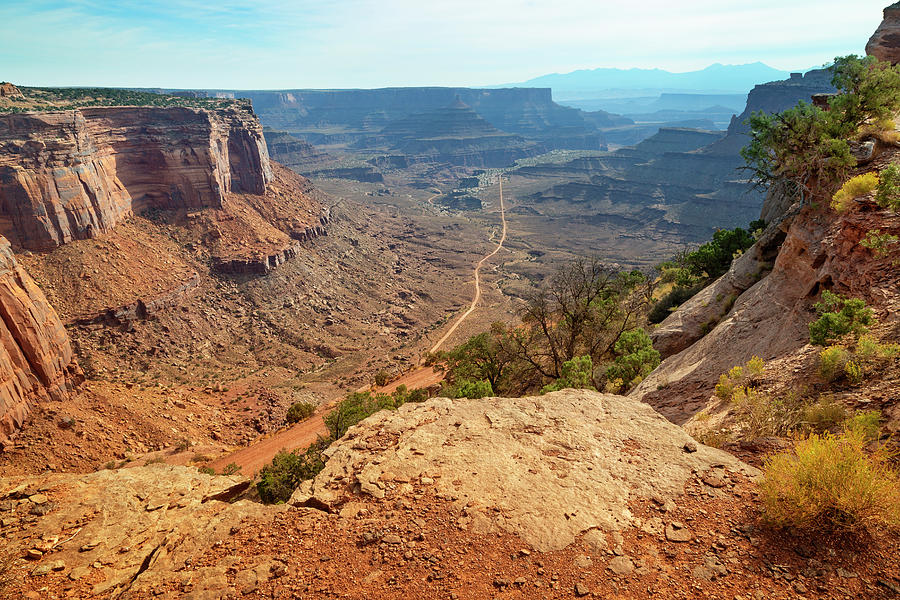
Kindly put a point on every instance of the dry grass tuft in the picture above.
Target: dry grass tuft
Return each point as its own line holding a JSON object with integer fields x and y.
{"x": 830, "y": 482}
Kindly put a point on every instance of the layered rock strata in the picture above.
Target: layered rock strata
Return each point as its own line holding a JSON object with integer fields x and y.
{"x": 36, "y": 358}
{"x": 885, "y": 42}
{"x": 73, "y": 174}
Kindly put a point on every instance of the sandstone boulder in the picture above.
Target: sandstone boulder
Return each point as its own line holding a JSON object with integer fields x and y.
{"x": 138, "y": 527}
{"x": 546, "y": 468}
{"x": 885, "y": 42}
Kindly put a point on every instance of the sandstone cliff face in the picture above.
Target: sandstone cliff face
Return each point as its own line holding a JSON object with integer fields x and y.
{"x": 36, "y": 359}
{"x": 885, "y": 42}
{"x": 73, "y": 174}
{"x": 820, "y": 251}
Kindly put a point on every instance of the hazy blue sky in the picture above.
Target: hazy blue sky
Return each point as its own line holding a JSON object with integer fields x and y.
{"x": 372, "y": 43}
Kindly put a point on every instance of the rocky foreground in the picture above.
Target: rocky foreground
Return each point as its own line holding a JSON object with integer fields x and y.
{"x": 570, "y": 494}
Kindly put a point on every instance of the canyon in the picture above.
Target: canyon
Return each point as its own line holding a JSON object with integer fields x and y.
{"x": 174, "y": 277}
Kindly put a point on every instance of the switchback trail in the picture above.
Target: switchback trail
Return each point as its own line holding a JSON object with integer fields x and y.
{"x": 254, "y": 457}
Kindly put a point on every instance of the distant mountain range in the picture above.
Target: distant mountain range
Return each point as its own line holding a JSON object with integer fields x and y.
{"x": 612, "y": 83}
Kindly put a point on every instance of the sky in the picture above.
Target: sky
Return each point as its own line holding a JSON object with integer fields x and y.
{"x": 278, "y": 44}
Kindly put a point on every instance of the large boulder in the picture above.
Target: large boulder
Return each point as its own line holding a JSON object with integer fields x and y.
{"x": 547, "y": 468}
{"x": 885, "y": 42}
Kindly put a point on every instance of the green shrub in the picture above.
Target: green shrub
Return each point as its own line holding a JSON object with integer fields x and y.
{"x": 359, "y": 405}
{"x": 832, "y": 361}
{"x": 888, "y": 193}
{"x": 231, "y": 469}
{"x": 577, "y": 373}
{"x": 207, "y": 470}
{"x": 838, "y": 317}
{"x": 713, "y": 258}
{"x": 299, "y": 411}
{"x": 279, "y": 479}
{"x": 855, "y": 187}
{"x": 382, "y": 378}
{"x": 830, "y": 482}
{"x": 853, "y": 371}
{"x": 879, "y": 243}
{"x": 635, "y": 358}
{"x": 480, "y": 388}
{"x": 865, "y": 422}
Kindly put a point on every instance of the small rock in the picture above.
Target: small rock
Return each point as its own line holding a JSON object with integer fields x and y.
{"x": 33, "y": 554}
{"x": 583, "y": 562}
{"x": 690, "y": 447}
{"x": 58, "y": 565}
{"x": 677, "y": 532}
{"x": 621, "y": 565}
{"x": 40, "y": 570}
{"x": 66, "y": 422}
{"x": 38, "y": 498}
{"x": 520, "y": 581}
{"x": 581, "y": 590}
{"x": 278, "y": 569}
{"x": 713, "y": 480}
{"x": 392, "y": 538}
{"x": 843, "y": 573}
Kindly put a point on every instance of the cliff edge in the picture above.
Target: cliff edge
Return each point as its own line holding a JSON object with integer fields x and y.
{"x": 68, "y": 175}
{"x": 36, "y": 358}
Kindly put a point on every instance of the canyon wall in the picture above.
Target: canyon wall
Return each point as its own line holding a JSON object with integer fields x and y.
{"x": 36, "y": 359}
{"x": 72, "y": 174}
{"x": 347, "y": 116}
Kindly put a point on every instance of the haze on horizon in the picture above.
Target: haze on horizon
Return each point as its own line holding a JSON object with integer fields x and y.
{"x": 272, "y": 44}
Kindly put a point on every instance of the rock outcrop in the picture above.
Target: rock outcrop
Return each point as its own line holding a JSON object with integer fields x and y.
{"x": 547, "y": 468}
{"x": 124, "y": 531}
{"x": 885, "y": 42}
{"x": 770, "y": 319}
{"x": 8, "y": 90}
{"x": 73, "y": 174}
{"x": 36, "y": 359}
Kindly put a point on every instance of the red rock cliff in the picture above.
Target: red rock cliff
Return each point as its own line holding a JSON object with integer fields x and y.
{"x": 36, "y": 359}
{"x": 885, "y": 42}
{"x": 72, "y": 174}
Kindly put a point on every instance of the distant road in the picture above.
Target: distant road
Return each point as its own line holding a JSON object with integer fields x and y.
{"x": 261, "y": 452}
{"x": 478, "y": 266}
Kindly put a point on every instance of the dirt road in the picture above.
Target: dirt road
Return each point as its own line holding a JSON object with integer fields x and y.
{"x": 478, "y": 266}
{"x": 255, "y": 456}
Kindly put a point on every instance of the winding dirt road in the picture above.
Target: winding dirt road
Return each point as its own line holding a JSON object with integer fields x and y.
{"x": 478, "y": 266}
{"x": 260, "y": 453}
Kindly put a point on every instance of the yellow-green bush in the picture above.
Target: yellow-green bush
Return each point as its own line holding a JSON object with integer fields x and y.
{"x": 831, "y": 362}
{"x": 824, "y": 415}
{"x": 855, "y": 187}
{"x": 829, "y": 481}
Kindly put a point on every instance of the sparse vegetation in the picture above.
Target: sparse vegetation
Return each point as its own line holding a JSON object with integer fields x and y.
{"x": 879, "y": 243}
{"x": 839, "y": 316}
{"x": 382, "y": 378}
{"x": 231, "y": 469}
{"x": 48, "y": 99}
{"x": 299, "y": 411}
{"x": 829, "y": 481}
